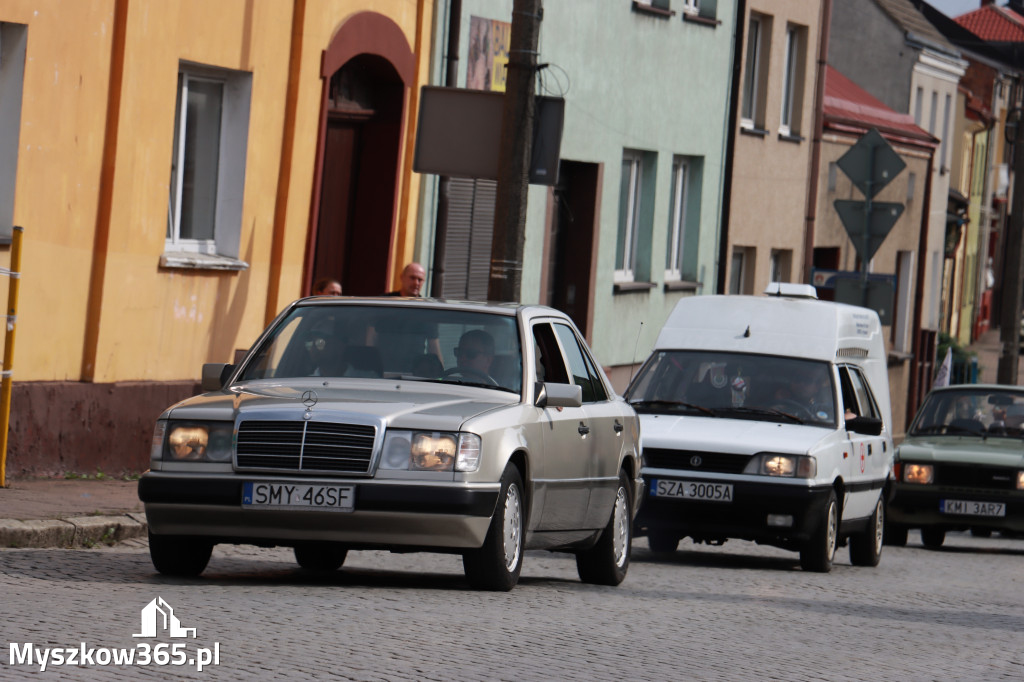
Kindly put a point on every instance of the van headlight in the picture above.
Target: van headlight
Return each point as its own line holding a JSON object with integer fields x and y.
{"x": 775, "y": 464}
{"x": 175, "y": 441}
{"x": 430, "y": 451}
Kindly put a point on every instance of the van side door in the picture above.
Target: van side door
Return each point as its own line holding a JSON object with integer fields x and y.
{"x": 869, "y": 454}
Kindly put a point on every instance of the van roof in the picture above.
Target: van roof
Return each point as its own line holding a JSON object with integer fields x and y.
{"x": 774, "y": 325}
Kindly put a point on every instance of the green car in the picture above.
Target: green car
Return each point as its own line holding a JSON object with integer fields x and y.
{"x": 961, "y": 466}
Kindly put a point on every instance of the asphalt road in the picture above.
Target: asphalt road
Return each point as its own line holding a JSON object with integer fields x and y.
{"x": 737, "y": 612}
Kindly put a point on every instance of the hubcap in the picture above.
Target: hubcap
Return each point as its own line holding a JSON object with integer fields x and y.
{"x": 620, "y": 539}
{"x": 879, "y": 526}
{"x": 513, "y": 525}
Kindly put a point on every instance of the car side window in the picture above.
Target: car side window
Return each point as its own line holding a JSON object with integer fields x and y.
{"x": 550, "y": 365}
{"x": 865, "y": 400}
{"x": 581, "y": 373}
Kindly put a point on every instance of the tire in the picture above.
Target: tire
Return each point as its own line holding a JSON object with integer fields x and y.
{"x": 933, "y": 538}
{"x": 820, "y": 550}
{"x": 981, "y": 532}
{"x": 866, "y": 547}
{"x": 606, "y": 562}
{"x": 895, "y": 536}
{"x": 662, "y": 543}
{"x": 320, "y": 556}
{"x": 179, "y": 556}
{"x": 496, "y": 565}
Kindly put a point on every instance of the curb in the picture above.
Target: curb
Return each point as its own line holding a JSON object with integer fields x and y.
{"x": 76, "y": 531}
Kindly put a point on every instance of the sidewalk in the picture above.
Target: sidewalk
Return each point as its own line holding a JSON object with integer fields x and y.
{"x": 69, "y": 513}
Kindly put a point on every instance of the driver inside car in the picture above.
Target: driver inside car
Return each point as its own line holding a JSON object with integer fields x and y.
{"x": 808, "y": 390}
{"x": 475, "y": 354}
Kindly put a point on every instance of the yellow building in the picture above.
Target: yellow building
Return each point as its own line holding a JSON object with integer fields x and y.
{"x": 182, "y": 170}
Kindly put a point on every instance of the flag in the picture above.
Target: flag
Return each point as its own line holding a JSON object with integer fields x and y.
{"x": 942, "y": 377}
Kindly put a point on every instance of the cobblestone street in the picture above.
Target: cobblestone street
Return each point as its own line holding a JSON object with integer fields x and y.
{"x": 733, "y": 612}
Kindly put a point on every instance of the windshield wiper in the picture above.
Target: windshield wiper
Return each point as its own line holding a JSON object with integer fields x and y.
{"x": 768, "y": 411}
{"x": 673, "y": 403}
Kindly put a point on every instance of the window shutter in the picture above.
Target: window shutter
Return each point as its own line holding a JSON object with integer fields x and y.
{"x": 467, "y": 264}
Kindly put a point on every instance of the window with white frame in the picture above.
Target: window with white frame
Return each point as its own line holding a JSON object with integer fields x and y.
{"x": 631, "y": 185}
{"x": 208, "y": 164}
{"x": 684, "y": 220}
{"x": 779, "y": 265}
{"x": 793, "y": 80}
{"x": 691, "y": 6}
{"x": 13, "y": 39}
{"x": 758, "y": 39}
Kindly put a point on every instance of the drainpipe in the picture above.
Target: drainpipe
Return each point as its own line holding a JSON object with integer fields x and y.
{"x": 451, "y": 80}
{"x": 819, "y": 125}
{"x": 730, "y": 144}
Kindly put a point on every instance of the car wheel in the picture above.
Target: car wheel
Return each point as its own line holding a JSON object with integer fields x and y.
{"x": 866, "y": 547}
{"x": 933, "y": 537}
{"x": 820, "y": 550}
{"x": 895, "y": 536}
{"x": 981, "y": 532}
{"x": 320, "y": 556}
{"x": 496, "y": 565}
{"x": 606, "y": 562}
{"x": 662, "y": 543}
{"x": 179, "y": 556}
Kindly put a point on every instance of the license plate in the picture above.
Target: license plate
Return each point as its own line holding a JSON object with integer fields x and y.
{"x": 298, "y": 496}
{"x": 969, "y": 508}
{"x": 692, "y": 490}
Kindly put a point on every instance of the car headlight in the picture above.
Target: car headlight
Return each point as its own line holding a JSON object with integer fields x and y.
{"x": 789, "y": 466}
{"x": 193, "y": 441}
{"x": 1020, "y": 480}
{"x": 923, "y": 474}
{"x": 430, "y": 451}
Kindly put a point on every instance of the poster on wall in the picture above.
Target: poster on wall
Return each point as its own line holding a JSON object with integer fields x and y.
{"x": 488, "y": 54}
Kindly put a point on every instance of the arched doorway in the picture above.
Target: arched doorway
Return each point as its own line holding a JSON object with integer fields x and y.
{"x": 367, "y": 72}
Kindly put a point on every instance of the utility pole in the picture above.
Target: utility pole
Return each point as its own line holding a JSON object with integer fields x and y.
{"x": 514, "y": 154}
{"x": 451, "y": 80}
{"x": 1009, "y": 312}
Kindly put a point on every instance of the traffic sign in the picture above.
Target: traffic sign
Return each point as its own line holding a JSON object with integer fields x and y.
{"x": 871, "y": 163}
{"x": 867, "y": 232}
{"x": 873, "y": 294}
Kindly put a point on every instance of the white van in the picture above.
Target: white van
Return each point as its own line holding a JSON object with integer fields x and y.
{"x": 767, "y": 418}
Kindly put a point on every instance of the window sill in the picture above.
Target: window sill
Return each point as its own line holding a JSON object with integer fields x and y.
{"x": 200, "y": 261}
{"x": 632, "y": 287}
{"x": 644, "y": 8}
{"x": 682, "y": 285}
{"x": 790, "y": 137}
{"x": 896, "y": 357}
{"x": 750, "y": 130}
{"x": 703, "y": 21}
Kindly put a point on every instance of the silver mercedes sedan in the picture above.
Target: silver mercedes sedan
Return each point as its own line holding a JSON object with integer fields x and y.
{"x": 402, "y": 424}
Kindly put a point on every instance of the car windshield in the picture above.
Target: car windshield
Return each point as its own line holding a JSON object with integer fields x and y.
{"x": 971, "y": 411}
{"x": 737, "y": 386}
{"x": 392, "y": 342}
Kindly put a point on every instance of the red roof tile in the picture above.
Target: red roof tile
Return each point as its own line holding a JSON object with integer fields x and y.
{"x": 994, "y": 23}
{"x": 848, "y": 106}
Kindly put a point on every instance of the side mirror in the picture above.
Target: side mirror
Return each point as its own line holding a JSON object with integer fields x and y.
{"x": 215, "y": 374}
{"x": 869, "y": 426}
{"x": 558, "y": 395}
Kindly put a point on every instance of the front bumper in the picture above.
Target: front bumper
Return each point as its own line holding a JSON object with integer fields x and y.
{"x": 917, "y": 506}
{"x": 408, "y": 515}
{"x": 745, "y": 517}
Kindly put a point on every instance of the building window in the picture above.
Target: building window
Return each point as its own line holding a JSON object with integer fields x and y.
{"x": 902, "y": 322}
{"x": 13, "y": 39}
{"x": 779, "y": 265}
{"x": 758, "y": 39}
{"x": 636, "y": 211}
{"x": 211, "y": 125}
{"x": 832, "y": 176}
{"x": 918, "y": 105}
{"x": 741, "y": 275}
{"x": 683, "y": 220}
{"x": 691, "y": 6}
{"x": 932, "y": 114}
{"x": 793, "y": 80}
{"x": 944, "y": 153}
{"x": 911, "y": 186}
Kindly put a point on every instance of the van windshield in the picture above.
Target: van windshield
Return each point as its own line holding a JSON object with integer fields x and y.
{"x": 736, "y": 386}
